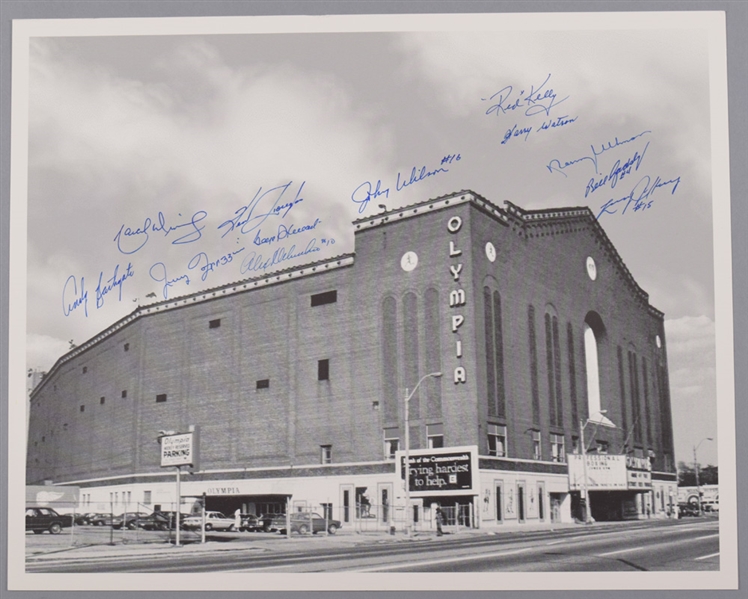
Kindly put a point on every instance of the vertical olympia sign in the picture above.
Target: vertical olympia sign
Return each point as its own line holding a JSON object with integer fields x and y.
{"x": 456, "y": 298}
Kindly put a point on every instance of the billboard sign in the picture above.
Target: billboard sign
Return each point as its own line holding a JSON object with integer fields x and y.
{"x": 178, "y": 450}
{"x": 442, "y": 471}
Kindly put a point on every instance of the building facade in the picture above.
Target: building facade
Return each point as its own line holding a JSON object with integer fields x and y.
{"x": 297, "y": 380}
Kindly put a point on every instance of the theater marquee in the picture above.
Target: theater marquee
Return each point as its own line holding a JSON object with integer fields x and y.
{"x": 448, "y": 471}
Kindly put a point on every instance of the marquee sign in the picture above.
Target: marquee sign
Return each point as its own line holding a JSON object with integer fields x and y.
{"x": 443, "y": 471}
{"x": 607, "y": 472}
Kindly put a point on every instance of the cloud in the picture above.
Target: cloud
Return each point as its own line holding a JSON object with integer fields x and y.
{"x": 42, "y": 351}
{"x": 180, "y": 133}
{"x": 691, "y": 361}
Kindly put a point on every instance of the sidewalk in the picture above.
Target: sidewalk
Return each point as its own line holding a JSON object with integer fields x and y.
{"x": 260, "y": 542}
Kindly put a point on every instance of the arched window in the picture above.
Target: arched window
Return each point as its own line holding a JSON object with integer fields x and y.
{"x": 594, "y": 334}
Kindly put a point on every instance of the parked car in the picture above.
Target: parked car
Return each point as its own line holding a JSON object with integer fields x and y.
{"x": 251, "y": 523}
{"x": 687, "y": 509}
{"x": 40, "y": 519}
{"x": 158, "y": 521}
{"x": 213, "y": 521}
{"x": 303, "y": 522}
{"x": 101, "y": 520}
{"x": 127, "y": 519}
{"x": 84, "y": 519}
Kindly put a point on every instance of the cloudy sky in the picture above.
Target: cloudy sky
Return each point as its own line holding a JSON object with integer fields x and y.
{"x": 191, "y": 134}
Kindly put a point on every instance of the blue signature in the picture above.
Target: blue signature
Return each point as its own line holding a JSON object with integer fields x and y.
{"x": 141, "y": 234}
{"x": 207, "y": 266}
{"x": 416, "y": 177}
{"x": 158, "y": 273}
{"x": 368, "y": 191}
{"x": 534, "y": 102}
{"x": 364, "y": 193}
{"x": 557, "y": 166}
{"x": 263, "y": 205}
{"x": 81, "y": 297}
{"x": 283, "y": 232}
{"x": 639, "y": 196}
{"x": 514, "y": 132}
{"x": 114, "y": 282}
{"x": 254, "y": 262}
{"x": 617, "y": 172}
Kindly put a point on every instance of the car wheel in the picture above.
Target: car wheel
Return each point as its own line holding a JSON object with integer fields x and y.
{"x": 100, "y": 523}
{"x": 55, "y": 528}
{"x": 38, "y": 532}
{"x": 208, "y": 526}
{"x": 232, "y": 528}
{"x": 332, "y": 529}
{"x": 303, "y": 529}
{"x": 132, "y": 526}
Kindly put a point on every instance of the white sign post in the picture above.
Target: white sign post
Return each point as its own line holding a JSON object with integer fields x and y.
{"x": 179, "y": 449}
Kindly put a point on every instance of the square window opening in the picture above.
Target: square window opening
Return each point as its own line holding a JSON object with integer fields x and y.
{"x": 161, "y": 398}
{"x": 263, "y": 384}
{"x": 214, "y": 324}
{"x": 328, "y": 297}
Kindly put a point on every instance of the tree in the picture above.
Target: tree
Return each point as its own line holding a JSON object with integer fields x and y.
{"x": 708, "y": 475}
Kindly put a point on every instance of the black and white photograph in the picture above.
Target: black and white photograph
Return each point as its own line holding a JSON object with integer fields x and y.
{"x": 372, "y": 302}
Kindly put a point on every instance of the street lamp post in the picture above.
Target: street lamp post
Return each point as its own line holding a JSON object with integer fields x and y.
{"x": 585, "y": 480}
{"x": 696, "y": 471}
{"x": 408, "y": 396}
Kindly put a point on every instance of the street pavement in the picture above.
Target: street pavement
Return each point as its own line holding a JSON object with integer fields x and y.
{"x": 225, "y": 543}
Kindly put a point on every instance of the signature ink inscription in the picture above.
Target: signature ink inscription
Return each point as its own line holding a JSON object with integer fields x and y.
{"x": 639, "y": 198}
{"x": 364, "y": 193}
{"x": 207, "y": 266}
{"x": 368, "y": 191}
{"x": 158, "y": 274}
{"x": 130, "y": 240}
{"x": 557, "y": 166}
{"x": 254, "y": 262}
{"x": 70, "y": 290}
{"x": 79, "y": 297}
{"x": 540, "y": 100}
{"x": 617, "y": 172}
{"x": 114, "y": 282}
{"x": 264, "y": 204}
{"x": 283, "y": 232}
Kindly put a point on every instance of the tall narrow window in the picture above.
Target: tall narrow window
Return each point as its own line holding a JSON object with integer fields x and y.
{"x": 537, "y": 450}
{"x": 497, "y": 440}
{"x": 553, "y": 366}
{"x": 622, "y": 384}
{"x": 325, "y": 454}
{"x": 647, "y": 410}
{"x": 390, "y": 381}
{"x": 557, "y": 448}
{"x": 595, "y": 341}
{"x": 391, "y": 442}
{"x": 435, "y": 435}
{"x": 494, "y": 353}
{"x": 572, "y": 375}
{"x": 533, "y": 365}
{"x": 323, "y": 370}
{"x": 593, "y": 371}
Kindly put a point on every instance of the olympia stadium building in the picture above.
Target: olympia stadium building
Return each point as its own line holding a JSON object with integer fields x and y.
{"x": 553, "y": 382}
